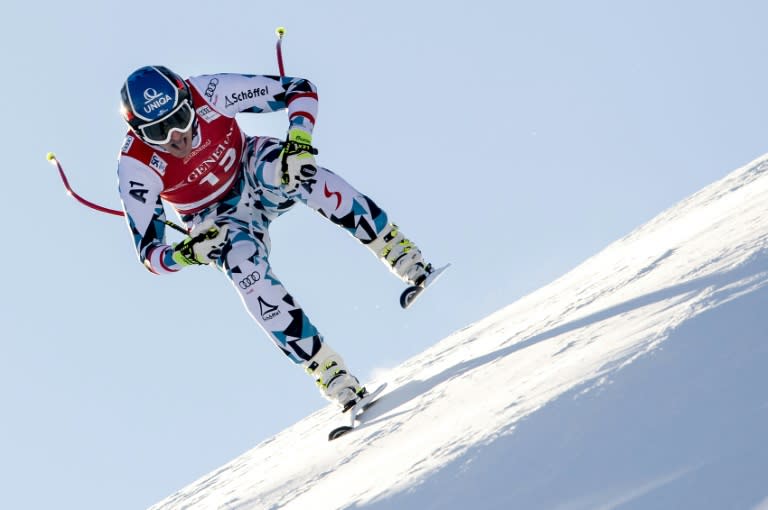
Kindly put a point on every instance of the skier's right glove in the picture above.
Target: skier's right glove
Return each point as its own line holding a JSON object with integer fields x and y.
{"x": 297, "y": 160}
{"x": 203, "y": 246}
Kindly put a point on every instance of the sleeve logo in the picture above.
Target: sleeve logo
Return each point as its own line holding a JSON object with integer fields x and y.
{"x": 208, "y": 114}
{"x": 158, "y": 163}
{"x": 127, "y": 144}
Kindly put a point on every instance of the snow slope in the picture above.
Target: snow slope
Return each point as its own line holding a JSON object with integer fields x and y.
{"x": 637, "y": 380}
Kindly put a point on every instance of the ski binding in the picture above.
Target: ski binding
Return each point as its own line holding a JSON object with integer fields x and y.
{"x": 409, "y": 295}
{"x": 355, "y": 411}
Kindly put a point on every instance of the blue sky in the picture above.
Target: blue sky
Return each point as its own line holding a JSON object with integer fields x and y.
{"x": 513, "y": 140}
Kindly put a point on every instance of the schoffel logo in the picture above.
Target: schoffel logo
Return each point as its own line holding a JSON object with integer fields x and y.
{"x": 211, "y": 88}
{"x": 268, "y": 311}
{"x": 249, "y": 280}
{"x": 236, "y": 97}
{"x": 154, "y": 100}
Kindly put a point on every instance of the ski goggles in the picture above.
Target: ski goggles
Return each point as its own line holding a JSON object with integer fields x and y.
{"x": 159, "y": 131}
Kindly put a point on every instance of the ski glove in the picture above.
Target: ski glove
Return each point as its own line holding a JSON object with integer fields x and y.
{"x": 203, "y": 246}
{"x": 297, "y": 160}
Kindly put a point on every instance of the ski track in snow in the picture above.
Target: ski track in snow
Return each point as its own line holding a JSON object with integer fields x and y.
{"x": 573, "y": 397}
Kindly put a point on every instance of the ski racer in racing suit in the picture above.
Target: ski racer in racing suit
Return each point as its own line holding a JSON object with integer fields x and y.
{"x": 185, "y": 148}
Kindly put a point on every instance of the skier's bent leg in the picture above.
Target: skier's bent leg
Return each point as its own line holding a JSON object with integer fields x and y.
{"x": 340, "y": 202}
{"x": 285, "y": 322}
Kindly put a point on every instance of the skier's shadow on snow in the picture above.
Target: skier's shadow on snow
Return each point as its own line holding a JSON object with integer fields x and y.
{"x": 754, "y": 266}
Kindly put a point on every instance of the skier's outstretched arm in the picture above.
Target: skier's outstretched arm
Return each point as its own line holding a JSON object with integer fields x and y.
{"x": 140, "y": 191}
{"x": 231, "y": 94}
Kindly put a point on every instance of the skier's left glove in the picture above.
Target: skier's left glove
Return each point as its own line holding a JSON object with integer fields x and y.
{"x": 203, "y": 246}
{"x": 297, "y": 160}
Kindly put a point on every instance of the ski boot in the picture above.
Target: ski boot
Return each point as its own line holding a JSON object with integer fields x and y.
{"x": 333, "y": 379}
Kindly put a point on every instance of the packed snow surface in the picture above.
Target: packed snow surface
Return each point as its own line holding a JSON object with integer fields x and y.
{"x": 637, "y": 380}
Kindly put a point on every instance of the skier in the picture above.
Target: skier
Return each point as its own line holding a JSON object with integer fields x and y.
{"x": 185, "y": 147}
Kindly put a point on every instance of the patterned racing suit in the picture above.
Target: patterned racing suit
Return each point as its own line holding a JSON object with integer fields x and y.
{"x": 234, "y": 179}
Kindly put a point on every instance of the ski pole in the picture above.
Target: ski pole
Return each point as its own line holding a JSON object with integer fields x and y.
{"x": 280, "y": 31}
{"x": 52, "y": 158}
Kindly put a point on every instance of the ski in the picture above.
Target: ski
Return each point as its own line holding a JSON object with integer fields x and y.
{"x": 355, "y": 411}
{"x": 409, "y": 295}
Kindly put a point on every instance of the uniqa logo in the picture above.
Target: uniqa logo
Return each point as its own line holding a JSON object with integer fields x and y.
{"x": 154, "y": 100}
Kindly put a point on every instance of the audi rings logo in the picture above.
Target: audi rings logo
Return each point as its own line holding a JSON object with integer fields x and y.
{"x": 249, "y": 280}
{"x": 211, "y": 88}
